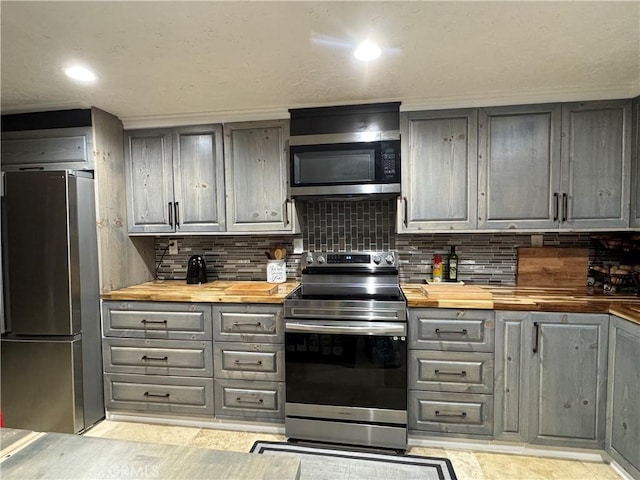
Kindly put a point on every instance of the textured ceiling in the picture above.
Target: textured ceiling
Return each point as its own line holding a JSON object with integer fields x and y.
{"x": 181, "y": 62}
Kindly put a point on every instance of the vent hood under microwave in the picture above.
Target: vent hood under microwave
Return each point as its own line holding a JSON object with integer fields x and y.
{"x": 345, "y": 151}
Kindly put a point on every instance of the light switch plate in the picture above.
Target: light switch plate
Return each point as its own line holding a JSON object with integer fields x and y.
{"x": 298, "y": 245}
{"x": 536, "y": 240}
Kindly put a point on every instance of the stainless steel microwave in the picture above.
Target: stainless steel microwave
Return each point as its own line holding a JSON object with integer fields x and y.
{"x": 346, "y": 169}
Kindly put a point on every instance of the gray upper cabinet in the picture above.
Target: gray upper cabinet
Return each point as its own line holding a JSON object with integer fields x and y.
{"x": 63, "y": 148}
{"x": 256, "y": 169}
{"x": 175, "y": 180}
{"x": 568, "y": 379}
{"x": 439, "y": 170}
{"x": 635, "y": 166}
{"x": 596, "y": 163}
{"x": 519, "y": 167}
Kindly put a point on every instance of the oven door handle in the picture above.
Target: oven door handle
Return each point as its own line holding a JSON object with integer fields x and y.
{"x": 378, "y": 328}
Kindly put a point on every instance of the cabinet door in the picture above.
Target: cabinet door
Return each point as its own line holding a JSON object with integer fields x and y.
{"x": 149, "y": 181}
{"x": 256, "y": 176}
{"x": 198, "y": 171}
{"x": 635, "y": 160}
{"x": 439, "y": 170}
{"x": 623, "y": 406}
{"x": 519, "y": 167}
{"x": 511, "y": 392}
{"x": 568, "y": 379}
{"x": 596, "y": 163}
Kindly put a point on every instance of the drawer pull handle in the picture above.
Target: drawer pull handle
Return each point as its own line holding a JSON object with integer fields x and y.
{"x": 457, "y": 374}
{"x": 244, "y": 324}
{"x": 160, "y": 359}
{"x": 451, "y": 332}
{"x": 258, "y": 363}
{"x": 259, "y": 401}
{"x": 159, "y": 395}
{"x": 457, "y": 415}
{"x": 161, "y": 322}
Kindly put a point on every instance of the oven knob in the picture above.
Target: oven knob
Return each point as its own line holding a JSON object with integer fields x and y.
{"x": 320, "y": 259}
{"x": 309, "y": 259}
{"x": 389, "y": 259}
{"x": 377, "y": 259}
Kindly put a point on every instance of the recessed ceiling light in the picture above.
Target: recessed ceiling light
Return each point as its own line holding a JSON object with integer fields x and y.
{"x": 80, "y": 73}
{"x": 367, "y": 51}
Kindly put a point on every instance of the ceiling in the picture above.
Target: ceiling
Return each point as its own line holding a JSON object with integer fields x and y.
{"x": 179, "y": 62}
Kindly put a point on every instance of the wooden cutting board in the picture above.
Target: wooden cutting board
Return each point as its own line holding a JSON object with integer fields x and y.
{"x": 454, "y": 291}
{"x": 552, "y": 267}
{"x": 252, "y": 288}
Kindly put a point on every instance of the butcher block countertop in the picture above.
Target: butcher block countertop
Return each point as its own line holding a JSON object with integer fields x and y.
{"x": 213, "y": 292}
{"x": 501, "y": 298}
{"x": 532, "y": 299}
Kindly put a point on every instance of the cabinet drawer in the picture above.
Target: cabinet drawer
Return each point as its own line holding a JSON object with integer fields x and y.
{"x": 249, "y": 399}
{"x": 159, "y": 394}
{"x": 168, "y": 320}
{"x": 451, "y": 371}
{"x": 456, "y": 330}
{"x": 248, "y": 323}
{"x": 249, "y": 361}
{"x": 158, "y": 357}
{"x": 464, "y": 413}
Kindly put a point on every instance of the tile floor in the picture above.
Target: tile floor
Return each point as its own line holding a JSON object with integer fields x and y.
{"x": 468, "y": 465}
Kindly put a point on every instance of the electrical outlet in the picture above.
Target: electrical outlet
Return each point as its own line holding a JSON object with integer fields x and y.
{"x": 173, "y": 247}
{"x": 298, "y": 246}
{"x": 537, "y": 240}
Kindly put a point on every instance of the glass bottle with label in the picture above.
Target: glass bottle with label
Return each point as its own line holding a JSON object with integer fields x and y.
{"x": 453, "y": 265}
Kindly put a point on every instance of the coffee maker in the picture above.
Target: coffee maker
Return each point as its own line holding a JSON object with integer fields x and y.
{"x": 196, "y": 270}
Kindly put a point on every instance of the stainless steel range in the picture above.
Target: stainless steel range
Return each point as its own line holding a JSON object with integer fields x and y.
{"x": 346, "y": 351}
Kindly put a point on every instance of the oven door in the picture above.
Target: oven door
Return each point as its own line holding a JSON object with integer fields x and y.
{"x": 346, "y": 364}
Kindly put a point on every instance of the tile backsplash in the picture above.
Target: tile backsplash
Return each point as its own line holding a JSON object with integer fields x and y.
{"x": 487, "y": 258}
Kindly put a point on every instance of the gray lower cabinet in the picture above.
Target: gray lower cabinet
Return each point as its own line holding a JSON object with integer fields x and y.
{"x": 551, "y": 374}
{"x": 439, "y": 170}
{"x": 175, "y": 180}
{"x": 451, "y": 372}
{"x": 249, "y": 361}
{"x": 635, "y": 165}
{"x": 158, "y": 357}
{"x": 623, "y": 402}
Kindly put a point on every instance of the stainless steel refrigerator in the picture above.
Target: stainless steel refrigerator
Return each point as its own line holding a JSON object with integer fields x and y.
{"x": 51, "y": 359}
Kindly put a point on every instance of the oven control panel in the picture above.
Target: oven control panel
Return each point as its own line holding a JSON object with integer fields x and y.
{"x": 351, "y": 259}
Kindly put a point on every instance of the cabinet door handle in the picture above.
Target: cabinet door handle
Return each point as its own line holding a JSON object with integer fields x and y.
{"x": 536, "y": 336}
{"x": 457, "y": 374}
{"x": 406, "y": 214}
{"x": 286, "y": 212}
{"x": 555, "y": 207}
{"x": 565, "y": 207}
{"x": 159, "y": 359}
{"x": 258, "y": 363}
{"x": 451, "y": 332}
{"x": 243, "y": 400}
{"x": 171, "y": 214}
{"x": 243, "y": 324}
{"x": 158, "y": 395}
{"x": 177, "y": 207}
{"x": 457, "y": 415}
{"x": 160, "y": 322}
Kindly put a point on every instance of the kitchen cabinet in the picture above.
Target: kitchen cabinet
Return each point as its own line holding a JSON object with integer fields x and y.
{"x": 62, "y": 148}
{"x": 623, "y": 402}
{"x": 635, "y": 166}
{"x": 256, "y": 170}
{"x": 596, "y": 164}
{"x": 519, "y": 167}
{"x": 158, "y": 357}
{"x": 175, "y": 180}
{"x": 555, "y": 166}
{"x": 551, "y": 373}
{"x": 450, "y": 370}
{"x": 249, "y": 362}
{"x": 439, "y": 170}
